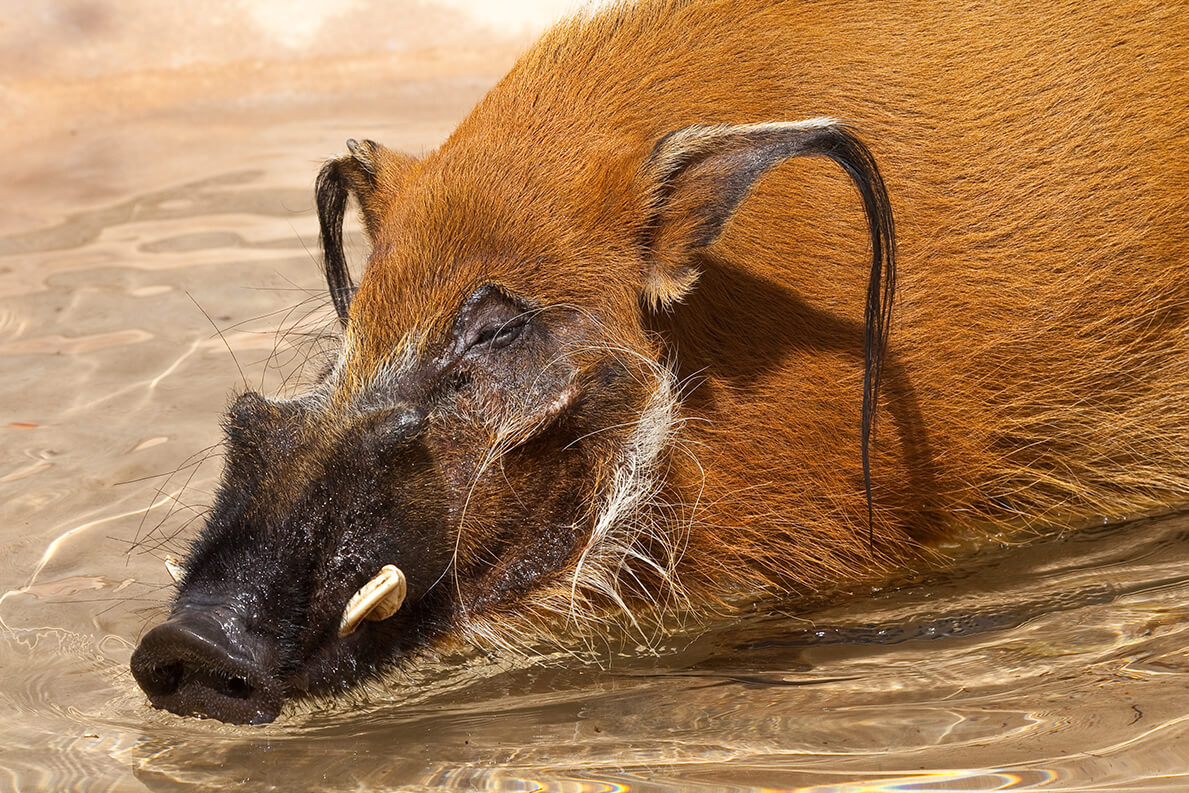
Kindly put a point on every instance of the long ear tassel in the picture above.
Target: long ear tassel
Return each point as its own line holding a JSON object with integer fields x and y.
{"x": 746, "y": 152}
{"x": 331, "y": 192}
{"x": 849, "y": 152}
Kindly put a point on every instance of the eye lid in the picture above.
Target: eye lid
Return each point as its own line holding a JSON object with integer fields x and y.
{"x": 496, "y": 336}
{"x": 491, "y": 319}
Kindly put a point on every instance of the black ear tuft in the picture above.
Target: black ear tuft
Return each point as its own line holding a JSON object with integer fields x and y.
{"x": 375, "y": 176}
{"x": 331, "y": 192}
{"x": 700, "y": 175}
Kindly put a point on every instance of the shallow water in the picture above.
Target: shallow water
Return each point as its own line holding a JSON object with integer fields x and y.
{"x": 148, "y": 206}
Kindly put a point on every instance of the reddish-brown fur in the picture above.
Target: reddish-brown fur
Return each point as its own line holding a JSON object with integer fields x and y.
{"x": 1037, "y": 159}
{"x": 609, "y": 356}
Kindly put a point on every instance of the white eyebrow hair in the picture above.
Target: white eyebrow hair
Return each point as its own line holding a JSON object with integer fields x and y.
{"x": 384, "y": 378}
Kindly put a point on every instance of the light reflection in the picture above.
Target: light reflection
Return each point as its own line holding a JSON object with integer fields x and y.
{"x": 946, "y": 782}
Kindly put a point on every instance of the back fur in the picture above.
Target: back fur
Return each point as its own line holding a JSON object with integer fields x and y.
{"x": 1037, "y": 158}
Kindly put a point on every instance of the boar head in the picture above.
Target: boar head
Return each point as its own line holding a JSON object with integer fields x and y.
{"x": 500, "y": 428}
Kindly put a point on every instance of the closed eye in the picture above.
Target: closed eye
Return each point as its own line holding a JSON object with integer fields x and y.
{"x": 497, "y": 336}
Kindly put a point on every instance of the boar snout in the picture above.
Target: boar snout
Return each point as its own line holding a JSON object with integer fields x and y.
{"x": 204, "y": 663}
{"x": 324, "y": 525}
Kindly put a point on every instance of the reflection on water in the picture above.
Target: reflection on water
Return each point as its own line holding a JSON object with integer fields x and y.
{"x": 1060, "y": 665}
{"x": 1057, "y": 666}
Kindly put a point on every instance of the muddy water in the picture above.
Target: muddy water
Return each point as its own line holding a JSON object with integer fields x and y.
{"x": 153, "y": 197}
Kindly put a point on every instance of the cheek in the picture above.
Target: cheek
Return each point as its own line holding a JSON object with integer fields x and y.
{"x": 460, "y": 449}
{"x": 520, "y": 500}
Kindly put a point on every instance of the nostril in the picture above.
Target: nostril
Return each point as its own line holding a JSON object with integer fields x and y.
{"x": 238, "y": 688}
{"x": 163, "y": 680}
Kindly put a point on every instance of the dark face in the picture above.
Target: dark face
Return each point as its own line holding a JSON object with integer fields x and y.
{"x": 479, "y": 460}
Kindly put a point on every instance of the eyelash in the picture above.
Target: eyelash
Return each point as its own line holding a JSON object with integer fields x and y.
{"x": 499, "y": 335}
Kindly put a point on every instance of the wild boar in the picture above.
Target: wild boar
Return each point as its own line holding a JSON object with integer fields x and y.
{"x": 622, "y": 341}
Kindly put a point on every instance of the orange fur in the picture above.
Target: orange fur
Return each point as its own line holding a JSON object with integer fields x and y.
{"x": 1037, "y": 160}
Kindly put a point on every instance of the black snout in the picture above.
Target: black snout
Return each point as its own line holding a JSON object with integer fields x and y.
{"x": 203, "y": 663}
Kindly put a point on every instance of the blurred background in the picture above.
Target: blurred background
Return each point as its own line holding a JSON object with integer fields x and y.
{"x": 78, "y": 79}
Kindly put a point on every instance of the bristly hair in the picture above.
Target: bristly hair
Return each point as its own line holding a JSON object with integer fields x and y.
{"x": 332, "y": 190}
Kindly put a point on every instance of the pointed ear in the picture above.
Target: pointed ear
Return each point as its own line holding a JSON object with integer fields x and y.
{"x": 375, "y": 176}
{"x": 700, "y": 175}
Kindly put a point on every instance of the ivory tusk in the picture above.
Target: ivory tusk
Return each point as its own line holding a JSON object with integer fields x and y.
{"x": 376, "y": 600}
{"x": 174, "y": 568}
